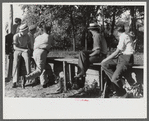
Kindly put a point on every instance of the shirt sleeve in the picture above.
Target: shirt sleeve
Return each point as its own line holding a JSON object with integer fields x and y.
{"x": 121, "y": 44}
{"x": 15, "y": 39}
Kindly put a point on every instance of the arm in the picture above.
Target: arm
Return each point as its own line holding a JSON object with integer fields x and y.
{"x": 15, "y": 44}
{"x": 95, "y": 52}
{"x": 114, "y": 54}
{"x": 18, "y": 48}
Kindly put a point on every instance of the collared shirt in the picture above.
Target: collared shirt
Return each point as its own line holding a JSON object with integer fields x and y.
{"x": 126, "y": 44}
{"x": 99, "y": 42}
{"x": 21, "y": 41}
{"x": 42, "y": 39}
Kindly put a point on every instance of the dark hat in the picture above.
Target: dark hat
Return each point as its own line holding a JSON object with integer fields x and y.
{"x": 32, "y": 27}
{"x": 93, "y": 26}
{"x": 23, "y": 27}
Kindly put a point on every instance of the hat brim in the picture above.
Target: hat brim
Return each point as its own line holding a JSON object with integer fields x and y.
{"x": 24, "y": 29}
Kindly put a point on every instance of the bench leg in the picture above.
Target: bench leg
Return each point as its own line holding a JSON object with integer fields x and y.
{"x": 71, "y": 73}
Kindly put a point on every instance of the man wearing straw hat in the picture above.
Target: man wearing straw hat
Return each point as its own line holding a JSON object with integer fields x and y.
{"x": 97, "y": 54}
{"x": 21, "y": 45}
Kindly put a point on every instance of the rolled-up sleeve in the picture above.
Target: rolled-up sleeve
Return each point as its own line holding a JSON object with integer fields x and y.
{"x": 15, "y": 40}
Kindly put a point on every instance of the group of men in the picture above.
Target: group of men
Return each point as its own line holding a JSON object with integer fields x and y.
{"x": 114, "y": 65}
{"x": 25, "y": 45}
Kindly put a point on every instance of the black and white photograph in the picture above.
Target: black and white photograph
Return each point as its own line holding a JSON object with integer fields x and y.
{"x": 74, "y": 60}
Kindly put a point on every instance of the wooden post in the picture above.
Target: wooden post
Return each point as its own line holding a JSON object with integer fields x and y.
{"x": 65, "y": 80}
{"x": 10, "y": 18}
{"x": 10, "y": 56}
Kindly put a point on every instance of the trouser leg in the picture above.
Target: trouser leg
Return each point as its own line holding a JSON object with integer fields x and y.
{"x": 40, "y": 60}
{"x": 16, "y": 65}
{"x": 109, "y": 67}
{"x": 116, "y": 78}
{"x": 27, "y": 62}
{"x": 43, "y": 78}
{"x": 83, "y": 61}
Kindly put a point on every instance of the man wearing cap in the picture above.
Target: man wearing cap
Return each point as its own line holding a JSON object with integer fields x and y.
{"x": 21, "y": 45}
{"x": 116, "y": 64}
{"x": 42, "y": 46}
{"x": 97, "y": 54}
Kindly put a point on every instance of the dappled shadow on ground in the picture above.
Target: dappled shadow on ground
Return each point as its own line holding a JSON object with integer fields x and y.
{"x": 37, "y": 91}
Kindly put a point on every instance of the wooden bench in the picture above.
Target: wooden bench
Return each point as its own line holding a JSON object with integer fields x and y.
{"x": 71, "y": 63}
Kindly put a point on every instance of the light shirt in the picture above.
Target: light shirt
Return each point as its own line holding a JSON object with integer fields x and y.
{"x": 99, "y": 42}
{"x": 42, "y": 39}
{"x": 126, "y": 44}
{"x": 21, "y": 41}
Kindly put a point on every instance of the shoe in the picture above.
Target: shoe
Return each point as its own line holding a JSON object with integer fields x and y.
{"x": 23, "y": 82}
{"x": 126, "y": 95}
{"x": 45, "y": 86}
{"x": 75, "y": 87}
{"x": 14, "y": 85}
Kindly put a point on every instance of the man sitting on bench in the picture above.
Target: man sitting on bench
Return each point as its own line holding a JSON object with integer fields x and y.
{"x": 96, "y": 55}
{"x": 119, "y": 61}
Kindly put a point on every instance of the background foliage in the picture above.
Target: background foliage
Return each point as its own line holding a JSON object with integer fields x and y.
{"x": 69, "y": 23}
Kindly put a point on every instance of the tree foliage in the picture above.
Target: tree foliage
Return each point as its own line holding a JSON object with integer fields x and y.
{"x": 70, "y": 22}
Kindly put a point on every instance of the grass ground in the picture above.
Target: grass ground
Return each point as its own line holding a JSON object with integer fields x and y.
{"x": 39, "y": 92}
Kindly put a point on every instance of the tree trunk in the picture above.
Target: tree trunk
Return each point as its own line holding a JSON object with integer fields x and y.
{"x": 73, "y": 31}
{"x": 113, "y": 21}
{"x": 133, "y": 19}
{"x": 10, "y": 19}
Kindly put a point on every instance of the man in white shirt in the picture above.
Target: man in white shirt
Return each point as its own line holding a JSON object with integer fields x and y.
{"x": 119, "y": 61}
{"x": 42, "y": 46}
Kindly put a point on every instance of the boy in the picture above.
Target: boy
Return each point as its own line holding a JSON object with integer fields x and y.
{"x": 120, "y": 61}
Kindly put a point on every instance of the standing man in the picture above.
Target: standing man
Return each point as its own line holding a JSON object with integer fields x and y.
{"x": 9, "y": 46}
{"x": 97, "y": 54}
{"x": 119, "y": 61}
{"x": 42, "y": 46}
{"x": 21, "y": 45}
{"x": 15, "y": 27}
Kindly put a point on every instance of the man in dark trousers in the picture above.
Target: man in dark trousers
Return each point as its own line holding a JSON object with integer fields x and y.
{"x": 96, "y": 55}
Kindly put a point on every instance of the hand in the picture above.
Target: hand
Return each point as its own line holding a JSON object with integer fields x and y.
{"x": 27, "y": 51}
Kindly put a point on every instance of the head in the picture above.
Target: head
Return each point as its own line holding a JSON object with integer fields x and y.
{"x": 120, "y": 29}
{"x": 17, "y": 21}
{"x": 46, "y": 29}
{"x": 23, "y": 29}
{"x": 32, "y": 29}
{"x": 94, "y": 27}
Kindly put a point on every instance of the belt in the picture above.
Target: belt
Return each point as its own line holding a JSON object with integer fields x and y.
{"x": 43, "y": 49}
